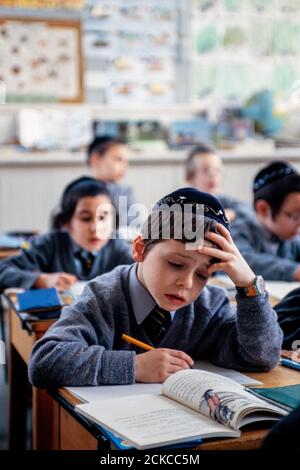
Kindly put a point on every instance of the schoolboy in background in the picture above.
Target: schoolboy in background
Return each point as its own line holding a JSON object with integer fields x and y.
{"x": 79, "y": 247}
{"x": 288, "y": 311}
{"x": 270, "y": 242}
{"x": 164, "y": 301}
{"x": 204, "y": 171}
{"x": 107, "y": 158}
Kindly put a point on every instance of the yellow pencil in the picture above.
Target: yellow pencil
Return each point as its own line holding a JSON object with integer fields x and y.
{"x": 142, "y": 345}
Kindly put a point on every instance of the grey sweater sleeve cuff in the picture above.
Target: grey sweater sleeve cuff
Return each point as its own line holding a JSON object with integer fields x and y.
{"x": 28, "y": 280}
{"x": 118, "y": 367}
{"x": 259, "y": 333}
{"x": 257, "y": 306}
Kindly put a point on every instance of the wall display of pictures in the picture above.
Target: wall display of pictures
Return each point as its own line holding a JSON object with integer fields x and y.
{"x": 243, "y": 46}
{"x": 152, "y": 52}
{"x": 192, "y": 132}
{"x": 130, "y": 130}
{"x": 40, "y": 60}
{"x": 133, "y": 47}
{"x": 43, "y": 3}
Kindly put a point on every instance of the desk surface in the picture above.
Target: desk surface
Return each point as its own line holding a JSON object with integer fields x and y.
{"x": 72, "y": 434}
{"x": 250, "y": 439}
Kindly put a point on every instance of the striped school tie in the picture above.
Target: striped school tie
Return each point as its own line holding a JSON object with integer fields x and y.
{"x": 156, "y": 324}
{"x": 86, "y": 260}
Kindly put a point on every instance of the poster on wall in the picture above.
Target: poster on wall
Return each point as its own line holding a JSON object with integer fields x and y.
{"x": 40, "y": 60}
{"x": 240, "y": 48}
{"x": 133, "y": 46}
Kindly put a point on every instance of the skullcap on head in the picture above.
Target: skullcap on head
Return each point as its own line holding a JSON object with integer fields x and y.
{"x": 271, "y": 173}
{"x": 196, "y": 200}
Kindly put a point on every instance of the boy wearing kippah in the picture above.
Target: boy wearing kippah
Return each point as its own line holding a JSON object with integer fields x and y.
{"x": 163, "y": 300}
{"x": 270, "y": 243}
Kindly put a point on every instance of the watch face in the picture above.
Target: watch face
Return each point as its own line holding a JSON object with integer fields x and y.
{"x": 260, "y": 284}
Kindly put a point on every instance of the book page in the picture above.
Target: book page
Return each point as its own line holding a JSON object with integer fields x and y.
{"x": 107, "y": 392}
{"x": 236, "y": 376}
{"x": 216, "y": 397}
{"x": 148, "y": 421}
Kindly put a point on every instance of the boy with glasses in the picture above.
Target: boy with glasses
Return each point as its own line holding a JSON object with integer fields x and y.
{"x": 271, "y": 243}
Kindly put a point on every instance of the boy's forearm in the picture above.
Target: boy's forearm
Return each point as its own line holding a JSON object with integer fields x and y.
{"x": 14, "y": 277}
{"x": 249, "y": 340}
{"x": 258, "y": 332}
{"x": 59, "y": 364}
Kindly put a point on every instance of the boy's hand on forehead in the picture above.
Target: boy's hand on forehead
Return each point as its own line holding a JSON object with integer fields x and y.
{"x": 229, "y": 258}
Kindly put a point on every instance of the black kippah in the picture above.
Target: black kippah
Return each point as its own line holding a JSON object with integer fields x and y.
{"x": 194, "y": 199}
{"x": 271, "y": 173}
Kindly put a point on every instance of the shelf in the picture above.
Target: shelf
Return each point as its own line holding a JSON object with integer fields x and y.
{"x": 10, "y": 157}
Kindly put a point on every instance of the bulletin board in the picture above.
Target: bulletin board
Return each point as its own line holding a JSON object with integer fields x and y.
{"x": 132, "y": 49}
{"x": 41, "y": 60}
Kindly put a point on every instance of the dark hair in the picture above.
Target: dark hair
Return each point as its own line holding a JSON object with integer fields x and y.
{"x": 274, "y": 183}
{"x": 102, "y": 144}
{"x": 200, "y": 149}
{"x": 156, "y": 222}
{"x": 185, "y": 215}
{"x": 76, "y": 190}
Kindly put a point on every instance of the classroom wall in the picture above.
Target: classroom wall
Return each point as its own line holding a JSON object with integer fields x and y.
{"x": 30, "y": 188}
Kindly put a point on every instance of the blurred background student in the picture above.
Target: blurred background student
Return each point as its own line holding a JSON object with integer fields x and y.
{"x": 204, "y": 171}
{"x": 270, "y": 242}
{"x": 78, "y": 248}
{"x": 107, "y": 158}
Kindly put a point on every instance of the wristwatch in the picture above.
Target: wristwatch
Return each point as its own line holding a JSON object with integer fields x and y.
{"x": 257, "y": 287}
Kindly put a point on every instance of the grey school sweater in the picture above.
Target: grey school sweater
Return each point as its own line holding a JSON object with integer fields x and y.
{"x": 84, "y": 347}
{"x": 274, "y": 259}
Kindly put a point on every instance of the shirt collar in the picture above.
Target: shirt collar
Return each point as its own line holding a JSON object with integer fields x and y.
{"x": 142, "y": 301}
{"x": 76, "y": 249}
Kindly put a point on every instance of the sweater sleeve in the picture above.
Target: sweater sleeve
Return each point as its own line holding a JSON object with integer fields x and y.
{"x": 24, "y": 269}
{"x": 271, "y": 267}
{"x": 246, "y": 337}
{"x": 77, "y": 349}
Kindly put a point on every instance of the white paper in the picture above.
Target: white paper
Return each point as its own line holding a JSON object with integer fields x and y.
{"x": 105, "y": 392}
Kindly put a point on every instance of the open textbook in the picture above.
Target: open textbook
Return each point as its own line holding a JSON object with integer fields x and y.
{"x": 193, "y": 404}
{"x": 103, "y": 392}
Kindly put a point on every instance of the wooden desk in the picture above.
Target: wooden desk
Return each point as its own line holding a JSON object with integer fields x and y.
{"x": 75, "y": 434}
{"x": 7, "y": 253}
{"x": 21, "y": 341}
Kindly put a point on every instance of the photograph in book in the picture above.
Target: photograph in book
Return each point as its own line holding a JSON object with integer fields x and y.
{"x": 193, "y": 404}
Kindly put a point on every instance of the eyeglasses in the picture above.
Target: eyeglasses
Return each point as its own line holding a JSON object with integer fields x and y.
{"x": 293, "y": 216}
